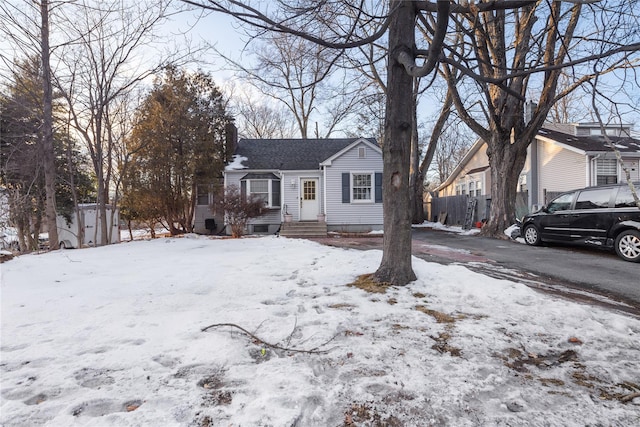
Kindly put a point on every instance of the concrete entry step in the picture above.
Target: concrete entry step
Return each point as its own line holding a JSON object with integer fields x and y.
{"x": 303, "y": 229}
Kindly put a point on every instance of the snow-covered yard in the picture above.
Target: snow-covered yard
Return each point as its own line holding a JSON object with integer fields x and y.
{"x": 112, "y": 336}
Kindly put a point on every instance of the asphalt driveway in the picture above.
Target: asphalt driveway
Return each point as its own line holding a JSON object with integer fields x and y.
{"x": 592, "y": 275}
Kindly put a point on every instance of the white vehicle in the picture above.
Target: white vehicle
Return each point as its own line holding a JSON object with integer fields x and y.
{"x": 69, "y": 235}
{"x": 9, "y": 239}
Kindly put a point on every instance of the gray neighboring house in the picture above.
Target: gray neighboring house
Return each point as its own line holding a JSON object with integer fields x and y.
{"x": 337, "y": 182}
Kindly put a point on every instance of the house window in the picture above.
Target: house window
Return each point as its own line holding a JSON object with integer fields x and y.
{"x": 202, "y": 195}
{"x": 263, "y": 187}
{"x": 463, "y": 188}
{"x": 472, "y": 188}
{"x": 606, "y": 171}
{"x": 259, "y": 189}
{"x": 361, "y": 187}
{"x": 458, "y": 190}
{"x": 362, "y": 153}
{"x": 478, "y": 188}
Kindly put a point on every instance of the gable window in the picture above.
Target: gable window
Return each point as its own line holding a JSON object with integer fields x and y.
{"x": 606, "y": 171}
{"x": 265, "y": 187}
{"x": 362, "y": 153}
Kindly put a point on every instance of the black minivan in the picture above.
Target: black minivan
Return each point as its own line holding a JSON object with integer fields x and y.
{"x": 604, "y": 216}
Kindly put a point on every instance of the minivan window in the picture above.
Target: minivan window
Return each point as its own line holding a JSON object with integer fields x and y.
{"x": 594, "y": 198}
{"x": 561, "y": 203}
{"x": 625, "y": 198}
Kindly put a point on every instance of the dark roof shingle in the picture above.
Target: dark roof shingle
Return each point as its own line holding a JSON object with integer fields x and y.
{"x": 592, "y": 143}
{"x": 289, "y": 154}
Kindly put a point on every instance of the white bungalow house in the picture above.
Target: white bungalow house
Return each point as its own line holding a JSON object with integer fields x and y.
{"x": 336, "y": 183}
{"x": 563, "y": 157}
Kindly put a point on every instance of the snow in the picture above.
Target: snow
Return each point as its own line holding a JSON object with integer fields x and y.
{"x": 236, "y": 163}
{"x": 450, "y": 228}
{"x": 112, "y": 336}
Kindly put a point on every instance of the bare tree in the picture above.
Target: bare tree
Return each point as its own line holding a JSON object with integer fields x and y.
{"x": 343, "y": 25}
{"x": 20, "y": 26}
{"x": 301, "y": 75}
{"x": 103, "y": 65}
{"x": 259, "y": 118}
{"x": 514, "y": 51}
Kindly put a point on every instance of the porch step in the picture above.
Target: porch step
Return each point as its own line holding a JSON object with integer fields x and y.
{"x": 303, "y": 229}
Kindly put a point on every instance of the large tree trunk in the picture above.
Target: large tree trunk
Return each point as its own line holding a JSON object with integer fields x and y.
{"x": 416, "y": 178}
{"x": 395, "y": 267}
{"x": 506, "y": 162}
{"x": 47, "y": 131}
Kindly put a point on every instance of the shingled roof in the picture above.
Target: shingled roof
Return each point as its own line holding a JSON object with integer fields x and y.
{"x": 289, "y": 154}
{"x": 592, "y": 143}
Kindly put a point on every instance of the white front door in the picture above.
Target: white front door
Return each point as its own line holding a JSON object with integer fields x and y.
{"x": 309, "y": 201}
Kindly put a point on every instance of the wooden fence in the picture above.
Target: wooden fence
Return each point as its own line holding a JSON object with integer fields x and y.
{"x": 454, "y": 208}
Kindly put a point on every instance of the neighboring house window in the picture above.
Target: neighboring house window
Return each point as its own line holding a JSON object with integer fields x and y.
{"x": 203, "y": 195}
{"x": 606, "y": 171}
{"x": 463, "y": 188}
{"x": 458, "y": 190}
{"x": 472, "y": 188}
{"x": 267, "y": 190}
{"x": 361, "y": 187}
{"x": 478, "y": 188}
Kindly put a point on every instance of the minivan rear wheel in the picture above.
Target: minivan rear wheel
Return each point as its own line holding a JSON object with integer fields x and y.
{"x": 628, "y": 245}
{"x": 531, "y": 235}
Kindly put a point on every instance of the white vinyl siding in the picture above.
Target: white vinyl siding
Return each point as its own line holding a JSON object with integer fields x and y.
{"x": 291, "y": 192}
{"x": 559, "y": 169}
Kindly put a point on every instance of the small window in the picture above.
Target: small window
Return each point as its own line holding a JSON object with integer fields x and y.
{"x": 625, "y": 198}
{"x": 203, "y": 195}
{"x": 361, "y": 187}
{"x": 261, "y": 228}
{"x": 362, "y": 153}
{"x": 594, "y": 199}
{"x": 561, "y": 203}
{"x": 606, "y": 171}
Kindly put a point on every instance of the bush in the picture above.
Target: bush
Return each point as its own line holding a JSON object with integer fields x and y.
{"x": 238, "y": 210}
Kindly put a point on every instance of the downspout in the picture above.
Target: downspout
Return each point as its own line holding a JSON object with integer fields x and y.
{"x": 283, "y": 205}
{"x": 323, "y": 209}
{"x": 533, "y": 163}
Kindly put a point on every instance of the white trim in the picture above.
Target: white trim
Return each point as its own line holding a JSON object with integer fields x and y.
{"x": 472, "y": 152}
{"x": 372, "y": 194}
{"x": 562, "y": 145}
{"x": 328, "y": 161}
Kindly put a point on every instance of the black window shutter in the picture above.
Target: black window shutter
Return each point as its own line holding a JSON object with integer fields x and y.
{"x": 243, "y": 189}
{"x": 346, "y": 190}
{"x": 378, "y": 187}
{"x": 275, "y": 193}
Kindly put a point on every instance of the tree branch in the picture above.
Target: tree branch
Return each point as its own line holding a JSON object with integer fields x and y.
{"x": 314, "y": 350}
